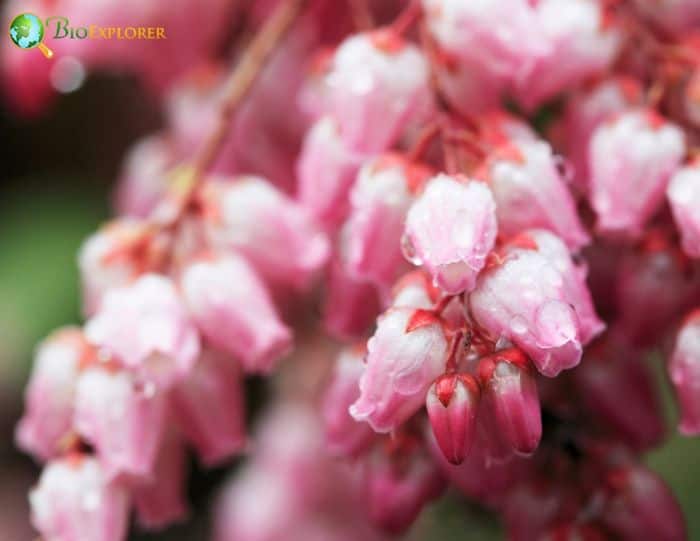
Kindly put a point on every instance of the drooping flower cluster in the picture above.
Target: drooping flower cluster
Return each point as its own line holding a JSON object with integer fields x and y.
{"x": 497, "y": 279}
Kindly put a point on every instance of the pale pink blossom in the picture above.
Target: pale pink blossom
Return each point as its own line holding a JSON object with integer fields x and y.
{"x": 326, "y": 171}
{"x": 161, "y": 500}
{"x": 209, "y": 409}
{"x": 414, "y": 290}
{"x": 344, "y": 435}
{"x": 450, "y": 230}
{"x": 75, "y": 501}
{"x": 634, "y": 153}
{"x": 112, "y": 257}
{"x": 684, "y": 370}
{"x": 683, "y": 195}
{"x": 49, "y": 396}
{"x": 123, "y": 419}
{"x": 145, "y": 326}
{"x": 530, "y": 192}
{"x": 504, "y": 36}
{"x": 452, "y": 404}
{"x": 234, "y": 312}
{"x": 537, "y": 298}
{"x": 401, "y": 364}
{"x": 582, "y": 115}
{"x": 378, "y": 85}
{"x": 581, "y": 45}
{"x": 276, "y": 234}
{"x": 380, "y": 200}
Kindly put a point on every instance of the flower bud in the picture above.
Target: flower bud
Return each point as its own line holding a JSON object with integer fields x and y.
{"x": 74, "y": 501}
{"x": 684, "y": 370}
{"x": 122, "y": 419}
{"x": 234, "y": 312}
{"x": 278, "y": 236}
{"x": 452, "y": 404}
{"x": 344, "y": 435}
{"x": 636, "y": 152}
{"x": 516, "y": 405}
{"x": 401, "y": 364}
{"x": 48, "y": 415}
{"x": 684, "y": 197}
{"x": 450, "y": 229}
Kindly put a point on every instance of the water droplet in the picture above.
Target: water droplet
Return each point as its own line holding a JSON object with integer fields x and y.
{"x": 518, "y": 325}
{"x": 409, "y": 251}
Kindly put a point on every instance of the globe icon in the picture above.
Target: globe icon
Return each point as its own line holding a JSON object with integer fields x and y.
{"x": 27, "y": 32}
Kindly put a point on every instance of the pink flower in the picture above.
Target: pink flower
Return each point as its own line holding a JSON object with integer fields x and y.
{"x": 530, "y": 192}
{"x": 380, "y": 200}
{"x": 278, "y": 236}
{"x": 507, "y": 377}
{"x": 398, "y": 486}
{"x": 401, "y": 364}
{"x": 145, "y": 327}
{"x": 378, "y": 85}
{"x": 684, "y": 370}
{"x": 344, "y": 435}
{"x": 49, "y": 396}
{"x": 415, "y": 290}
{"x": 636, "y": 152}
{"x": 451, "y": 228}
{"x": 581, "y": 45}
{"x": 582, "y": 115}
{"x": 537, "y": 298}
{"x": 122, "y": 419}
{"x": 504, "y": 37}
{"x": 74, "y": 501}
{"x": 144, "y": 179}
{"x": 452, "y": 403}
{"x": 112, "y": 257}
{"x": 641, "y": 506}
{"x": 209, "y": 409}
{"x": 618, "y": 388}
{"x": 683, "y": 195}
{"x": 326, "y": 170}
{"x": 233, "y": 310}
{"x": 351, "y": 305}
{"x": 161, "y": 500}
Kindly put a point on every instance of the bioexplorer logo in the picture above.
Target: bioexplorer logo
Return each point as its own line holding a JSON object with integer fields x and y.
{"x": 27, "y": 32}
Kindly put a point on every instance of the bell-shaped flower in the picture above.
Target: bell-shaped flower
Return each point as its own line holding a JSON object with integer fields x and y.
{"x": 450, "y": 229}
{"x": 683, "y": 195}
{"x": 75, "y": 500}
{"x": 402, "y": 363}
{"x": 535, "y": 296}
{"x": 684, "y": 369}
{"x": 234, "y": 312}
{"x": 633, "y": 153}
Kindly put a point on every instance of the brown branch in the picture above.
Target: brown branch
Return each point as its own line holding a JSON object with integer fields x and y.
{"x": 244, "y": 76}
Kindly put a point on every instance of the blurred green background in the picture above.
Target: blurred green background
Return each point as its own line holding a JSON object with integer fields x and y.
{"x": 57, "y": 175}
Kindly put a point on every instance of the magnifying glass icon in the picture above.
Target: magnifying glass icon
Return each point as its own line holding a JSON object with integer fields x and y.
{"x": 27, "y": 32}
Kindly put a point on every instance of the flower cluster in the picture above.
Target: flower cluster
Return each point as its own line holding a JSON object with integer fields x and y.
{"x": 497, "y": 277}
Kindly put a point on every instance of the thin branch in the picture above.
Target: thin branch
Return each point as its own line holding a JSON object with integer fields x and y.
{"x": 241, "y": 80}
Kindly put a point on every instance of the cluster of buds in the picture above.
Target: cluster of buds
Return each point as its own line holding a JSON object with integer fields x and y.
{"x": 496, "y": 278}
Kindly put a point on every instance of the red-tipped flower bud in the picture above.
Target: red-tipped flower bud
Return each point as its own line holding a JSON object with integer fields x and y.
{"x": 452, "y": 403}
{"x": 507, "y": 377}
